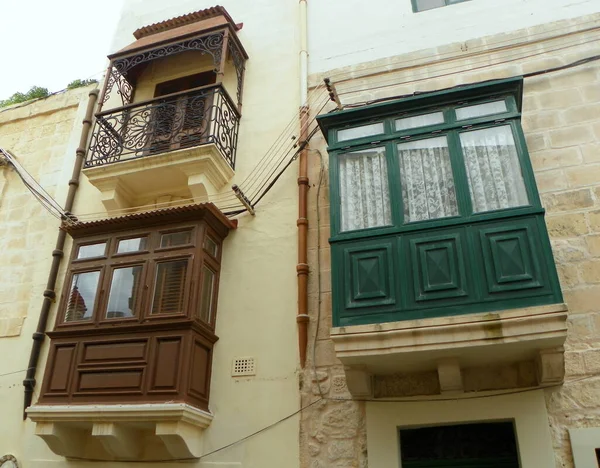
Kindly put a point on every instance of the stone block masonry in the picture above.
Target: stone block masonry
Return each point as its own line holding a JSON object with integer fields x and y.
{"x": 561, "y": 121}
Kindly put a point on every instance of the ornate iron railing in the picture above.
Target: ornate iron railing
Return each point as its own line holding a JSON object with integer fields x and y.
{"x": 180, "y": 120}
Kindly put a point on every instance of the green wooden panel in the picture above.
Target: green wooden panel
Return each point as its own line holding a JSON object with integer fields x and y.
{"x": 480, "y": 267}
{"x": 511, "y": 258}
{"x": 438, "y": 266}
{"x": 369, "y": 275}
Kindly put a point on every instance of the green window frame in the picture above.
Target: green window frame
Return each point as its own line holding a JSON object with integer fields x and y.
{"x": 394, "y": 265}
{"x": 452, "y": 128}
{"x": 424, "y": 5}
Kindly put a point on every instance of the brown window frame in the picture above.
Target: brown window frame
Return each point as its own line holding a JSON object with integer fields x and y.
{"x": 149, "y": 258}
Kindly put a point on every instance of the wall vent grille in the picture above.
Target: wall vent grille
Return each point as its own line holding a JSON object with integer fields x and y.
{"x": 243, "y": 366}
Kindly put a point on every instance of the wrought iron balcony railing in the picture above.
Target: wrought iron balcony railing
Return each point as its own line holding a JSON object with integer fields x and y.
{"x": 180, "y": 120}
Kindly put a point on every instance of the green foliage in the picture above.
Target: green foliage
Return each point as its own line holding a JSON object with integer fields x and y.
{"x": 80, "y": 83}
{"x": 35, "y": 92}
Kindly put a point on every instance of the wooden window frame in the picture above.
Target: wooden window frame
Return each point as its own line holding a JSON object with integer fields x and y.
{"x": 148, "y": 258}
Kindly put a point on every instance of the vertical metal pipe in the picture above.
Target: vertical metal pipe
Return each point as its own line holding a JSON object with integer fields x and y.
{"x": 302, "y": 268}
{"x": 57, "y": 255}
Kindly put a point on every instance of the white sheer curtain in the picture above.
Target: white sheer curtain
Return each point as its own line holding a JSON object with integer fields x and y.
{"x": 427, "y": 181}
{"x": 493, "y": 169}
{"x": 364, "y": 190}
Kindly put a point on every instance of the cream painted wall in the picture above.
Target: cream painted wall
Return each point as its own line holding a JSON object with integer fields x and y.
{"x": 257, "y": 297}
{"x": 527, "y": 410}
{"x": 348, "y": 32}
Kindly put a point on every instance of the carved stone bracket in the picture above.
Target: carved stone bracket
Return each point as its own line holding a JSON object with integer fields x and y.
{"x": 169, "y": 431}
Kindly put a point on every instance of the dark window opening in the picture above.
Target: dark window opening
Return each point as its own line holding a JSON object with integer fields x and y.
{"x": 480, "y": 445}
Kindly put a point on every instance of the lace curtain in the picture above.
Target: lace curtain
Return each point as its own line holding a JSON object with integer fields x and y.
{"x": 493, "y": 169}
{"x": 426, "y": 179}
{"x": 364, "y": 190}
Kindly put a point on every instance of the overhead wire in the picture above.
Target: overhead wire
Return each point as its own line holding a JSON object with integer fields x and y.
{"x": 266, "y": 183}
{"x": 458, "y": 69}
{"x": 291, "y": 137}
{"x": 486, "y": 48}
{"x": 220, "y": 199}
{"x": 266, "y": 428}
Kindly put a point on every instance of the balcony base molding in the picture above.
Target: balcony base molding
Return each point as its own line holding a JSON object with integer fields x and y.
{"x": 169, "y": 431}
{"x": 450, "y": 345}
{"x": 199, "y": 173}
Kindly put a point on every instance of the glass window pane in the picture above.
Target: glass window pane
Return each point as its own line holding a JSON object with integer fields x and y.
{"x": 169, "y": 287}
{"x": 208, "y": 283}
{"x": 423, "y": 5}
{"x": 360, "y": 132}
{"x": 210, "y": 246}
{"x": 176, "y": 238}
{"x": 134, "y": 244}
{"x": 493, "y": 169}
{"x": 364, "y": 189}
{"x": 426, "y": 179}
{"x": 479, "y": 110}
{"x": 91, "y": 250}
{"x": 82, "y": 296}
{"x": 420, "y": 121}
{"x": 124, "y": 290}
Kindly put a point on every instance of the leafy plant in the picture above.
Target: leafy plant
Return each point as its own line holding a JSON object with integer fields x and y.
{"x": 80, "y": 83}
{"x": 35, "y": 92}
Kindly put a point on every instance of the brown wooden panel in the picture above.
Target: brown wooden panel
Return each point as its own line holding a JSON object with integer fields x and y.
{"x": 114, "y": 379}
{"x": 60, "y": 369}
{"x": 123, "y": 351}
{"x": 166, "y": 364}
{"x": 200, "y": 370}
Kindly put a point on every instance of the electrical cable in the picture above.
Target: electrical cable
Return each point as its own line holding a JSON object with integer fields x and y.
{"x": 459, "y": 69}
{"x": 526, "y": 75}
{"x": 218, "y": 199}
{"x": 266, "y": 182}
{"x": 475, "y": 50}
{"x": 372, "y": 400}
{"x": 291, "y": 137}
{"x": 288, "y": 131}
{"x": 220, "y": 449}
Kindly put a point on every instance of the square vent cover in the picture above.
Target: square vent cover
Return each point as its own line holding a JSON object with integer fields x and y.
{"x": 243, "y": 366}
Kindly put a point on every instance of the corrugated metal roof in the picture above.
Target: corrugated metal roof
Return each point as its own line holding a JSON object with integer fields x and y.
{"x": 139, "y": 219}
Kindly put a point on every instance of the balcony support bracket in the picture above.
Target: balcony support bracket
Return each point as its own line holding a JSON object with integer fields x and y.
{"x": 166, "y": 431}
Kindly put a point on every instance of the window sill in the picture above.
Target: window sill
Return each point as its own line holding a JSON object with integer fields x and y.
{"x": 168, "y": 431}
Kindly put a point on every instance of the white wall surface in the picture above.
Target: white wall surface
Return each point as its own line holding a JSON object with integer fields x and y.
{"x": 347, "y": 32}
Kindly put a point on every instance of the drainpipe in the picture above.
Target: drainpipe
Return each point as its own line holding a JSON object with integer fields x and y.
{"x": 57, "y": 255}
{"x": 302, "y": 268}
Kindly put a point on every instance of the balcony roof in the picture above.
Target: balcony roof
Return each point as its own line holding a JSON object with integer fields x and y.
{"x": 180, "y": 27}
{"x": 159, "y": 216}
{"x": 184, "y": 20}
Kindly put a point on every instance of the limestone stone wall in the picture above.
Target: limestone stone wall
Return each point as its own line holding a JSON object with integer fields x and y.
{"x": 38, "y": 135}
{"x": 561, "y": 121}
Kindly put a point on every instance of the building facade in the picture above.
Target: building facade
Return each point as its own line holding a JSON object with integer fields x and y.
{"x": 406, "y": 273}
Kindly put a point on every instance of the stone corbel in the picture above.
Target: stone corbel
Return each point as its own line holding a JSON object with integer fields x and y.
{"x": 551, "y": 366}
{"x": 182, "y": 440}
{"x": 359, "y": 382}
{"x": 63, "y": 441}
{"x": 117, "y": 441}
{"x": 450, "y": 376}
{"x": 114, "y": 194}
